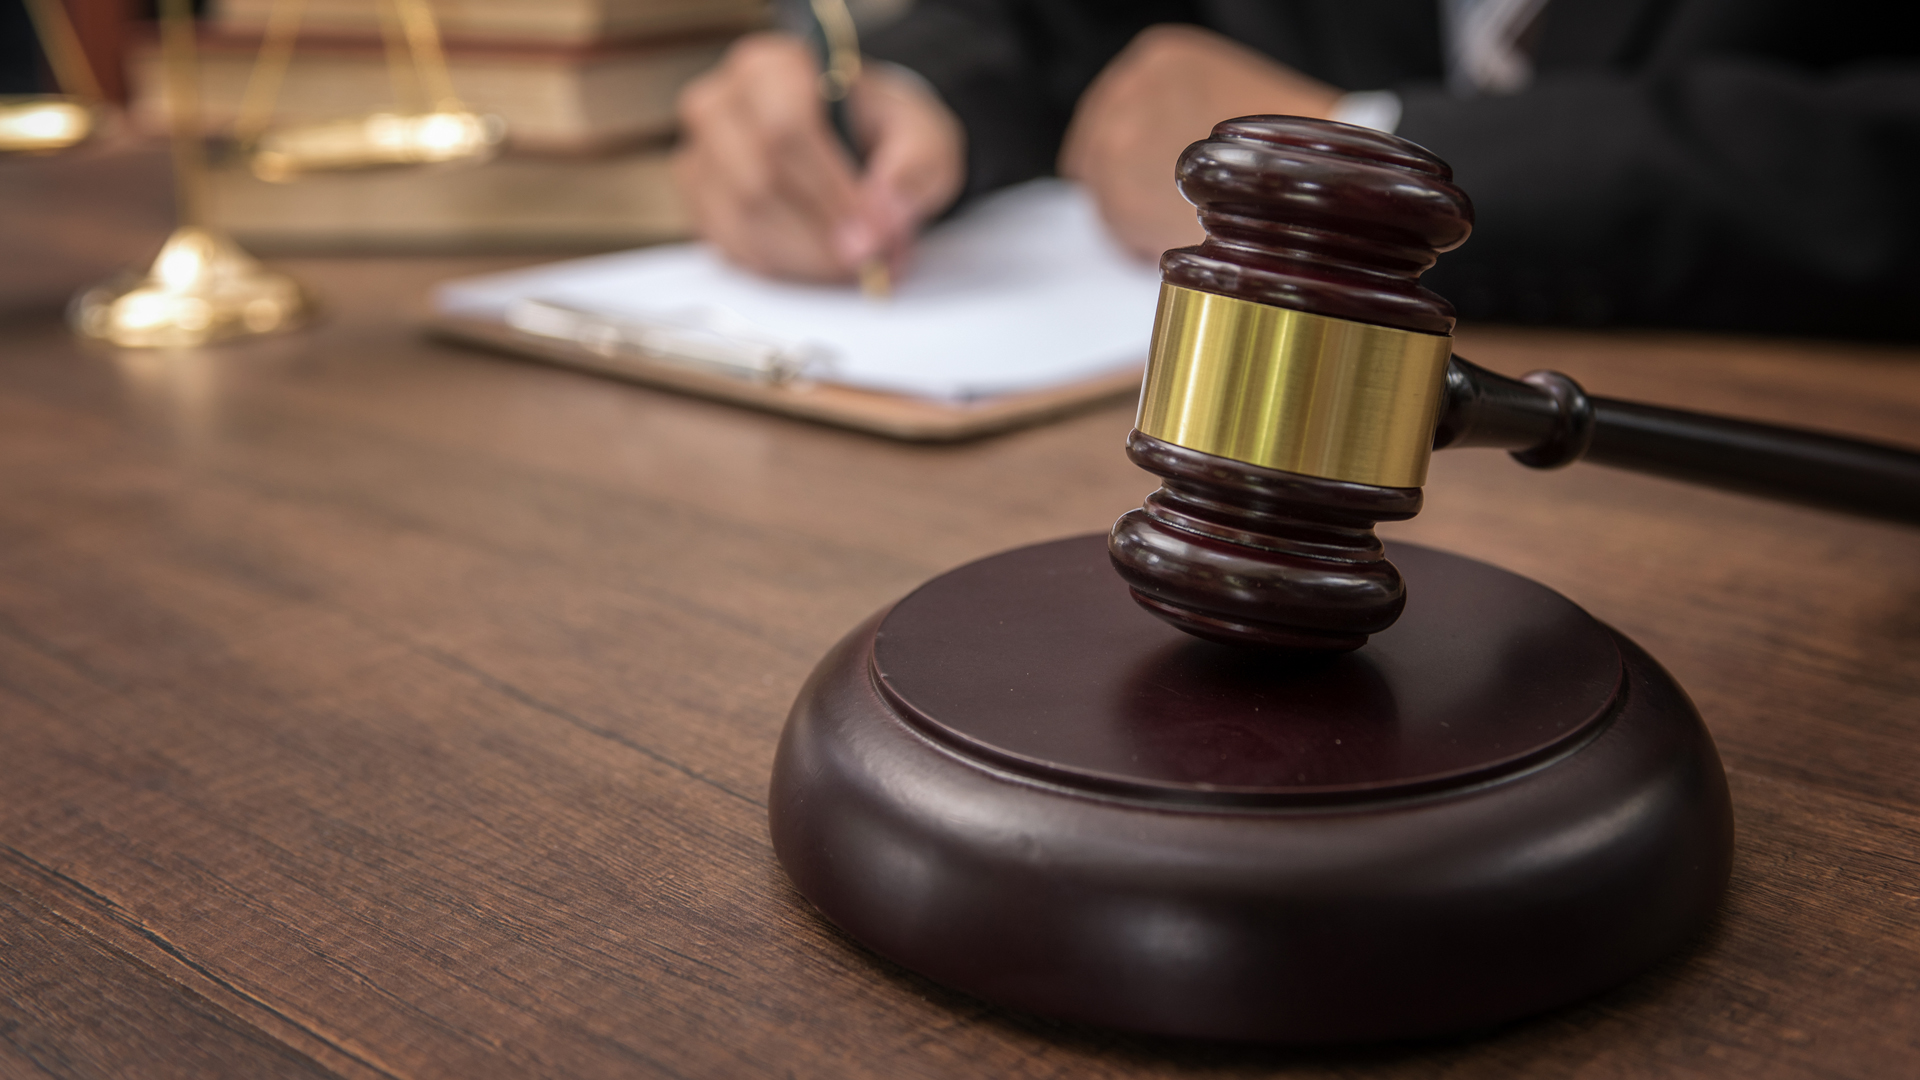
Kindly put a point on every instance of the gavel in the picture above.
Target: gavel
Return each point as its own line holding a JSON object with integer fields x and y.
{"x": 1299, "y": 379}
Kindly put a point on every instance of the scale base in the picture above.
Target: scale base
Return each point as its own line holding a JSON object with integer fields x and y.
{"x": 201, "y": 289}
{"x": 1018, "y": 783}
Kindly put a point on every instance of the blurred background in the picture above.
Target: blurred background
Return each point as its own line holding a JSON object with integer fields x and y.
{"x": 585, "y": 89}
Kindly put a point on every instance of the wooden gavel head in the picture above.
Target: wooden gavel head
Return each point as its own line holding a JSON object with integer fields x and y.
{"x": 1296, "y": 374}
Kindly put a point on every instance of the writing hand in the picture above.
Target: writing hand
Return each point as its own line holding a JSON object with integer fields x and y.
{"x": 768, "y": 183}
{"x": 1167, "y": 89}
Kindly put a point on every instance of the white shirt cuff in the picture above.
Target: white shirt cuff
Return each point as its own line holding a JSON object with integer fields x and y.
{"x": 1376, "y": 109}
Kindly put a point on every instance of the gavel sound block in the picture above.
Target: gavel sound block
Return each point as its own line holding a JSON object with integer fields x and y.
{"x": 1264, "y": 782}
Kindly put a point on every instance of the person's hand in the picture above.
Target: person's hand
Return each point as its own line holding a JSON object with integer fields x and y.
{"x": 768, "y": 182}
{"x": 1166, "y": 89}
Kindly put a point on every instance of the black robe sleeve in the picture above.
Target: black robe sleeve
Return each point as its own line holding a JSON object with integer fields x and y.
{"x": 1728, "y": 192}
{"x": 1722, "y": 164}
{"x": 1012, "y": 71}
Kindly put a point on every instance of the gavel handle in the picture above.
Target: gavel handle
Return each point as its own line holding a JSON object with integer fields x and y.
{"x": 1547, "y": 421}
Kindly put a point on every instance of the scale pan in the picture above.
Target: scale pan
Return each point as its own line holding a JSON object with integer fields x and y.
{"x": 377, "y": 141}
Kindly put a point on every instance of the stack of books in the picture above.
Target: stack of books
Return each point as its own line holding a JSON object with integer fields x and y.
{"x": 586, "y": 88}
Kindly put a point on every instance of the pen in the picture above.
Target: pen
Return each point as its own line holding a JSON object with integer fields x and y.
{"x": 831, "y": 31}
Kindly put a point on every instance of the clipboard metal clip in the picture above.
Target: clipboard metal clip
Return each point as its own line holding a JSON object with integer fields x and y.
{"x": 705, "y": 339}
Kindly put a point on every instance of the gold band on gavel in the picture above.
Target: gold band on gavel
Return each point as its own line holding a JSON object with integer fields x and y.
{"x": 1287, "y": 390}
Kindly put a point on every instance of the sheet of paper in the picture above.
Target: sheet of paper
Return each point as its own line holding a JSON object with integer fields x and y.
{"x": 1022, "y": 291}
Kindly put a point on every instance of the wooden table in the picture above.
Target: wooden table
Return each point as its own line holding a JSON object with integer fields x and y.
{"x": 370, "y": 707}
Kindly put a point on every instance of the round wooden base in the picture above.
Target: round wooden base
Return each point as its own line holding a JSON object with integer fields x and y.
{"x": 1018, "y": 783}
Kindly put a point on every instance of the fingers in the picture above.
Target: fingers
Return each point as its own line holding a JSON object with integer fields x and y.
{"x": 915, "y": 163}
{"x": 1167, "y": 88}
{"x": 1125, "y": 135}
{"x": 760, "y": 170}
{"x": 768, "y": 182}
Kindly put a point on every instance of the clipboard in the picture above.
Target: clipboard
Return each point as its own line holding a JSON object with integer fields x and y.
{"x": 1017, "y": 311}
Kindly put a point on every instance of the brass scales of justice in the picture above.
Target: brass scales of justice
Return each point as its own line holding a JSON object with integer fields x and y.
{"x": 49, "y": 123}
{"x": 202, "y": 287}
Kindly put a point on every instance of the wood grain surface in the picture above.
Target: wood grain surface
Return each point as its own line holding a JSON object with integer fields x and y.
{"x": 370, "y": 707}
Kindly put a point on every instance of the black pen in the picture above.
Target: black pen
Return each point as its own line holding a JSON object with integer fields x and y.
{"x": 836, "y": 45}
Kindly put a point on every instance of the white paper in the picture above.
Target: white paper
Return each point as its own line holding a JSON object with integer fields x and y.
{"x": 1022, "y": 291}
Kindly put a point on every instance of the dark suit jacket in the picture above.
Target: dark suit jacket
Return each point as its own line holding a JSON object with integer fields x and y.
{"x": 1746, "y": 164}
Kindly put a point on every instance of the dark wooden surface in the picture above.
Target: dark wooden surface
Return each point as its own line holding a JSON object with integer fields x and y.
{"x": 1309, "y": 216}
{"x": 1319, "y": 217}
{"x": 1321, "y": 908}
{"x": 370, "y": 707}
{"x": 1245, "y": 555}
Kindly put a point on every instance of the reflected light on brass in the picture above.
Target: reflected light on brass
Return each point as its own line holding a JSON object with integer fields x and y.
{"x": 44, "y": 123}
{"x": 1293, "y": 391}
{"x": 200, "y": 289}
{"x": 382, "y": 140}
{"x": 428, "y": 126}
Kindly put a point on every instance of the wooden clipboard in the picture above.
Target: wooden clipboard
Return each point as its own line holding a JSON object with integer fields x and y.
{"x": 895, "y": 416}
